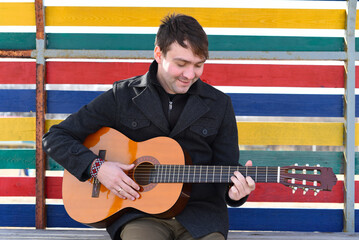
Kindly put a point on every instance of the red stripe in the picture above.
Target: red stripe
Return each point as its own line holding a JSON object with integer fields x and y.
{"x": 92, "y": 72}
{"x": 25, "y": 187}
{"x": 275, "y": 192}
{"x": 17, "y": 72}
{"x": 215, "y": 74}
{"x": 265, "y": 192}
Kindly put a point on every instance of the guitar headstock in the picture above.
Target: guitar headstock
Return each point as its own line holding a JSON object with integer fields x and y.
{"x": 308, "y": 178}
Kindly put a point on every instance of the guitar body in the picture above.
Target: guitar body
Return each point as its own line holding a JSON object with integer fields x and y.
{"x": 163, "y": 200}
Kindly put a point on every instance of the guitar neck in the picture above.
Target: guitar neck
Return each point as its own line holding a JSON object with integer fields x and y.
{"x": 210, "y": 174}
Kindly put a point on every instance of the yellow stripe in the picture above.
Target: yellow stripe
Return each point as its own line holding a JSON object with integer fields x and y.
{"x": 250, "y": 133}
{"x": 208, "y": 17}
{"x": 17, "y": 14}
{"x": 284, "y": 133}
{"x": 17, "y": 129}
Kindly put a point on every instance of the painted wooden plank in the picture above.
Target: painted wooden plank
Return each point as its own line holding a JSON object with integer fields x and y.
{"x": 17, "y": 72}
{"x": 23, "y": 215}
{"x": 19, "y": 100}
{"x": 250, "y": 133}
{"x": 208, "y": 17}
{"x": 25, "y": 187}
{"x": 9, "y": 40}
{"x": 17, "y": 14}
{"x": 265, "y": 192}
{"x": 216, "y": 42}
{"x": 322, "y": 220}
{"x": 290, "y": 133}
{"x": 266, "y": 75}
{"x": 17, "y": 129}
{"x": 23, "y": 159}
{"x": 298, "y": 105}
{"x": 308, "y": 220}
{"x": 292, "y": 105}
{"x": 275, "y": 192}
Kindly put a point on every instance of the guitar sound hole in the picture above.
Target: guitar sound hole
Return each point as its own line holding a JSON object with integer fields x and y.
{"x": 143, "y": 173}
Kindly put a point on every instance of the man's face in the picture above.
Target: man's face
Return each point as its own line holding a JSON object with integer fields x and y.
{"x": 179, "y": 69}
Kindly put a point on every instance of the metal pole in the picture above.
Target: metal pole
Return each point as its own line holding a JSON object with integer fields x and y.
{"x": 40, "y": 221}
{"x": 349, "y": 119}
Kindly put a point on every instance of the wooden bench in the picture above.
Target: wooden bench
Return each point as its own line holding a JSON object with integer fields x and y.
{"x": 287, "y": 112}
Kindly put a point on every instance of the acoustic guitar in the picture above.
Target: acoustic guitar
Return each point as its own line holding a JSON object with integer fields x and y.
{"x": 163, "y": 171}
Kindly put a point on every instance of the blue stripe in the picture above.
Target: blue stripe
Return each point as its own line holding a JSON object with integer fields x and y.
{"x": 292, "y": 105}
{"x": 307, "y": 220}
{"x": 263, "y": 219}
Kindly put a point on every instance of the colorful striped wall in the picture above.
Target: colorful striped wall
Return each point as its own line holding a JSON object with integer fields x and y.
{"x": 280, "y": 105}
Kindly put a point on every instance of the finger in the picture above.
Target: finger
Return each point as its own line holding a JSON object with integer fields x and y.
{"x": 249, "y": 163}
{"x": 251, "y": 183}
{"x": 129, "y": 192}
{"x": 125, "y": 178}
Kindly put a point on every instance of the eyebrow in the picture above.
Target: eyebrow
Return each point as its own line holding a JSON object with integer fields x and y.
{"x": 184, "y": 60}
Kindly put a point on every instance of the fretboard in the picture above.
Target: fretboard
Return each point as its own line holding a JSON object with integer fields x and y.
{"x": 210, "y": 174}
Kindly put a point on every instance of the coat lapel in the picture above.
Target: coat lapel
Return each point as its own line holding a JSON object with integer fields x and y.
{"x": 149, "y": 103}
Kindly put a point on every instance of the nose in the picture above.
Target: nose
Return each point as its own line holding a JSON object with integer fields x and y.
{"x": 189, "y": 72}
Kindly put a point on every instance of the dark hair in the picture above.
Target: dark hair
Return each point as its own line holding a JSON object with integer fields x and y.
{"x": 180, "y": 28}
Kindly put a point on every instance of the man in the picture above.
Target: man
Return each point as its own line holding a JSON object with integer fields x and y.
{"x": 169, "y": 100}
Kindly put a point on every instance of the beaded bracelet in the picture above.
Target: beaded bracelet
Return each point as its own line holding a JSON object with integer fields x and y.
{"x": 96, "y": 166}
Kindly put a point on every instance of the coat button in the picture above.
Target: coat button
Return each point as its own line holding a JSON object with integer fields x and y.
{"x": 134, "y": 124}
{"x": 204, "y": 131}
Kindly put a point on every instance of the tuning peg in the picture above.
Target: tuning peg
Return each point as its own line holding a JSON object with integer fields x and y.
{"x": 305, "y": 190}
{"x": 294, "y": 189}
{"x": 316, "y": 192}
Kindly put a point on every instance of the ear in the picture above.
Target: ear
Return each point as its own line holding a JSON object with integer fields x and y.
{"x": 158, "y": 54}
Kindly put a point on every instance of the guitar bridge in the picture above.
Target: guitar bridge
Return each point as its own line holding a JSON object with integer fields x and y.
{"x": 96, "y": 183}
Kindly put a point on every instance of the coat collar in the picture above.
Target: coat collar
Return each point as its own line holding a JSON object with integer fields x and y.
{"x": 149, "y": 102}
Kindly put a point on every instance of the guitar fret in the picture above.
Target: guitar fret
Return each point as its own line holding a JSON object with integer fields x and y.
{"x": 220, "y": 178}
{"x": 179, "y": 169}
{"x": 266, "y": 174}
{"x": 207, "y": 174}
{"x": 213, "y": 169}
{"x": 189, "y": 170}
{"x": 200, "y": 172}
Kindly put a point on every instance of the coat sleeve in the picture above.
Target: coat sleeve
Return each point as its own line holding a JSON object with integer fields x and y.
{"x": 63, "y": 142}
{"x": 226, "y": 149}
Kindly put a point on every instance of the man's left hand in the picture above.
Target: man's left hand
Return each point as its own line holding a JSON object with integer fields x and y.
{"x": 242, "y": 186}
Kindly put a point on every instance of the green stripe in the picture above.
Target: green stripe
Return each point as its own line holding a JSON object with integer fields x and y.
{"x": 216, "y": 42}
{"x": 23, "y": 159}
{"x": 287, "y": 158}
{"x": 20, "y": 41}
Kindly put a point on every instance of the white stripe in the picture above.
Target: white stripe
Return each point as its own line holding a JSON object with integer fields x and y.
{"x": 25, "y": 29}
{"x": 294, "y": 205}
{"x": 280, "y": 90}
{"x": 201, "y": 3}
{"x": 17, "y": 86}
{"x": 79, "y": 87}
{"x": 17, "y": 60}
{"x": 209, "y": 31}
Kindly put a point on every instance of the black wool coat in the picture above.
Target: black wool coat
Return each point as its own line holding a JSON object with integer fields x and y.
{"x": 206, "y": 129}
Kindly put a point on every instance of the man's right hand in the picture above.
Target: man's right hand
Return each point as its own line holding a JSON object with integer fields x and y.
{"x": 113, "y": 176}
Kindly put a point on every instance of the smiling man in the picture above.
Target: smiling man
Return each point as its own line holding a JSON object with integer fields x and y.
{"x": 169, "y": 100}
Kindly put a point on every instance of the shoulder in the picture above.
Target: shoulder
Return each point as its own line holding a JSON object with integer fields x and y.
{"x": 208, "y": 91}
